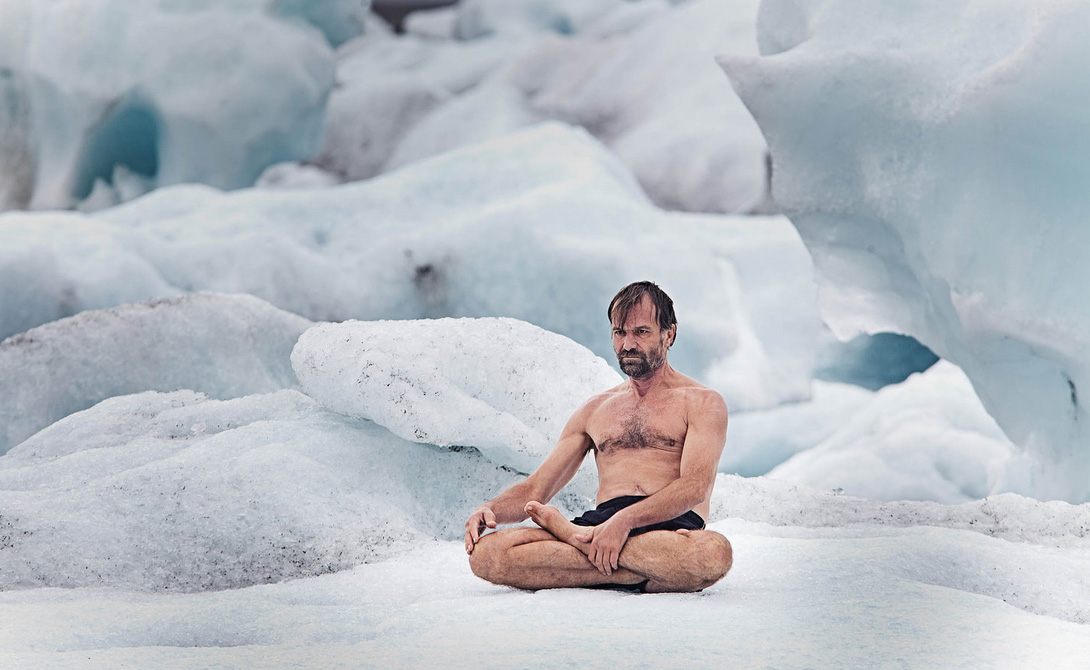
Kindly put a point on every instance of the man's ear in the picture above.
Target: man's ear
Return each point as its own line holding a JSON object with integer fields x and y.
{"x": 673, "y": 335}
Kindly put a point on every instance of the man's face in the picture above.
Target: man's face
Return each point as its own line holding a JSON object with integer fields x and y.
{"x": 639, "y": 343}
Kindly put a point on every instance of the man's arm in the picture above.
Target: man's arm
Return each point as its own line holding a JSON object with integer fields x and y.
{"x": 704, "y": 440}
{"x": 554, "y": 472}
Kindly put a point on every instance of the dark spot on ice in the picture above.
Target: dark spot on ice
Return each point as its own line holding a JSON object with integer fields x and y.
{"x": 1074, "y": 392}
{"x": 430, "y": 285}
{"x": 321, "y": 238}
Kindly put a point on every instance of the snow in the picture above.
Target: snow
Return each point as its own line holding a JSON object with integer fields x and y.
{"x": 872, "y": 595}
{"x": 937, "y": 175}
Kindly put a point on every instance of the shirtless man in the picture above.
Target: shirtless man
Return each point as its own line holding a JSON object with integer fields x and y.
{"x": 656, "y": 440}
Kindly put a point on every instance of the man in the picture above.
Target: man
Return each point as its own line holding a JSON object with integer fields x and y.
{"x": 656, "y": 440}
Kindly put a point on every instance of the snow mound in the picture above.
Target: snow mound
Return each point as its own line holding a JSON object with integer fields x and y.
{"x": 928, "y": 438}
{"x": 172, "y": 92}
{"x": 500, "y": 385}
{"x": 930, "y": 158}
{"x": 760, "y": 440}
{"x": 182, "y": 493}
{"x": 1007, "y": 516}
{"x": 223, "y": 345}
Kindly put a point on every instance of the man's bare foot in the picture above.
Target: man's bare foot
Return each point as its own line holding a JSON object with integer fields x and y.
{"x": 552, "y": 520}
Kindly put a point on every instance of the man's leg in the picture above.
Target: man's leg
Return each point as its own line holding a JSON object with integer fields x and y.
{"x": 671, "y": 560}
{"x": 532, "y": 558}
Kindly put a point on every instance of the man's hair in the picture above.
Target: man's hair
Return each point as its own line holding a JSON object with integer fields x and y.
{"x": 631, "y": 295}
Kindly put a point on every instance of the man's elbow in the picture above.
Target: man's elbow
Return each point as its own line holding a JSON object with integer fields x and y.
{"x": 697, "y": 491}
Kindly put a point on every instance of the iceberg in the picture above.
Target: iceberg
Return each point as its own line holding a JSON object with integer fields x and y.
{"x": 932, "y": 157}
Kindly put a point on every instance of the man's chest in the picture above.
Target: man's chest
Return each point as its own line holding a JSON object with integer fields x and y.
{"x": 622, "y": 425}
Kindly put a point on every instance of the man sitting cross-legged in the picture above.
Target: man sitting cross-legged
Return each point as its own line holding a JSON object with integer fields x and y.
{"x": 656, "y": 440}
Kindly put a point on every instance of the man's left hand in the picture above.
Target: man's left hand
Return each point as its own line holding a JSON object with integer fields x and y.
{"x": 606, "y": 541}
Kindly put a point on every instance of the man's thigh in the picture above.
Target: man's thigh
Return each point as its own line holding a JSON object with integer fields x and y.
{"x": 512, "y": 537}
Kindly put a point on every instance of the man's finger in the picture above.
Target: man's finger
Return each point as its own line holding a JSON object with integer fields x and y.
{"x": 582, "y": 538}
{"x": 489, "y": 518}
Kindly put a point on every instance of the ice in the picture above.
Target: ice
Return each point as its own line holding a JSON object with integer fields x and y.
{"x": 174, "y": 91}
{"x": 448, "y": 382}
{"x": 872, "y": 361}
{"x": 931, "y": 156}
{"x": 223, "y": 345}
{"x": 928, "y": 438}
{"x": 863, "y": 592}
{"x": 759, "y": 441}
{"x": 53, "y": 265}
{"x": 480, "y": 18}
{"x": 641, "y": 77}
{"x": 180, "y": 492}
{"x": 543, "y": 226}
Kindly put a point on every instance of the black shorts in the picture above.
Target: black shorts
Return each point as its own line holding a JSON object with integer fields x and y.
{"x": 687, "y": 521}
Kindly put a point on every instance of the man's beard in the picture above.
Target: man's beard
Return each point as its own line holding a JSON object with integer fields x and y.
{"x": 646, "y": 365}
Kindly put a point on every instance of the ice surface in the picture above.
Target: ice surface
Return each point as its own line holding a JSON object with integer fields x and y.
{"x": 869, "y": 593}
{"x": 449, "y": 382}
{"x": 175, "y": 91}
{"x": 544, "y": 226}
{"x": 932, "y": 155}
{"x": 179, "y": 492}
{"x": 222, "y": 345}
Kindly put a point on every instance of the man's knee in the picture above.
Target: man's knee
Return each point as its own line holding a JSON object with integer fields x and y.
{"x": 715, "y": 557}
{"x": 485, "y": 561}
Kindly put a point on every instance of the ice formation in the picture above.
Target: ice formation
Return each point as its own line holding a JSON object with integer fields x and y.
{"x": 179, "y": 492}
{"x": 500, "y": 385}
{"x": 172, "y": 91}
{"x": 928, "y": 438}
{"x": 640, "y": 76}
{"x": 544, "y": 226}
{"x": 931, "y": 156}
{"x": 222, "y": 345}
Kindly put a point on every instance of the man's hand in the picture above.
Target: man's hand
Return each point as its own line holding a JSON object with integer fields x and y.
{"x": 606, "y": 541}
{"x": 481, "y": 518}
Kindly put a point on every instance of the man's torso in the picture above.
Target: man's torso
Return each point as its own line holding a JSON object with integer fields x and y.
{"x": 638, "y": 442}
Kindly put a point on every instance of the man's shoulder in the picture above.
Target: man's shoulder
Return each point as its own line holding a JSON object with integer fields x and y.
{"x": 698, "y": 397}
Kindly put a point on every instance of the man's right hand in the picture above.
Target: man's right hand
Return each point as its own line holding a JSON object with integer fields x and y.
{"x": 481, "y": 518}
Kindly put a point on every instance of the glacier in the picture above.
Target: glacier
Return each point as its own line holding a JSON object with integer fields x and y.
{"x": 937, "y": 177}
{"x": 273, "y": 528}
{"x": 244, "y": 426}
